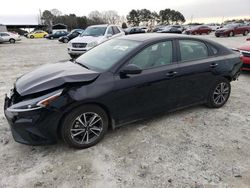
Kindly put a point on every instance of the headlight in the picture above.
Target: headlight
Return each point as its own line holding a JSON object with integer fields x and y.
{"x": 92, "y": 44}
{"x": 35, "y": 104}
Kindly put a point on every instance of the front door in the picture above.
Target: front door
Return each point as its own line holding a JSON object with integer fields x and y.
{"x": 151, "y": 91}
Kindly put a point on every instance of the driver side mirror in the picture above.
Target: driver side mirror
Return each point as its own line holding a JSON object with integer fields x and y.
{"x": 130, "y": 69}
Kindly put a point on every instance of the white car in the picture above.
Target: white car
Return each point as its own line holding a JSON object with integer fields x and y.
{"x": 9, "y": 37}
{"x": 91, "y": 37}
{"x": 214, "y": 27}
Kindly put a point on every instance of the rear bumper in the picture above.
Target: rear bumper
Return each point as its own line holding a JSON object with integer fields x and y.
{"x": 36, "y": 127}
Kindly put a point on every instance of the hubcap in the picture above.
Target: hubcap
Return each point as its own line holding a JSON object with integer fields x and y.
{"x": 221, "y": 93}
{"x": 86, "y": 128}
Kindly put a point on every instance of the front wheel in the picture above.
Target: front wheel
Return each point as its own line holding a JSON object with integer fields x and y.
{"x": 219, "y": 93}
{"x": 85, "y": 126}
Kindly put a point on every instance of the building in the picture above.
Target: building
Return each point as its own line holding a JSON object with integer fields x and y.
{"x": 3, "y": 28}
{"x": 59, "y": 27}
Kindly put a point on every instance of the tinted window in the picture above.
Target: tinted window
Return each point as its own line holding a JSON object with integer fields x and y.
{"x": 116, "y": 30}
{"x": 191, "y": 50}
{"x": 110, "y": 31}
{"x": 4, "y": 34}
{"x": 214, "y": 49}
{"x": 107, "y": 54}
{"x": 155, "y": 55}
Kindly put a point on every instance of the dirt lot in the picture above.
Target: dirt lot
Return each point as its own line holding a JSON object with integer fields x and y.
{"x": 195, "y": 147}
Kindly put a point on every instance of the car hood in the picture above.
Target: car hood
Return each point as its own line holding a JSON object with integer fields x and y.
{"x": 88, "y": 39}
{"x": 51, "y": 76}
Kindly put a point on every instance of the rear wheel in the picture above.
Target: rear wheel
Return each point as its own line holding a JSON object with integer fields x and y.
{"x": 219, "y": 93}
{"x": 231, "y": 34}
{"x": 246, "y": 33}
{"x": 31, "y": 36}
{"x": 85, "y": 126}
{"x": 12, "y": 41}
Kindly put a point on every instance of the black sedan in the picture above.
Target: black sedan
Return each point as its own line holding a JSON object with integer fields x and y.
{"x": 134, "y": 30}
{"x": 56, "y": 35}
{"x": 119, "y": 81}
{"x": 73, "y": 34}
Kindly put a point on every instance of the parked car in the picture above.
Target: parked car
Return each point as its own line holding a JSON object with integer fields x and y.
{"x": 245, "y": 55}
{"x": 170, "y": 29}
{"x": 1, "y": 40}
{"x": 37, "y": 34}
{"x": 91, "y": 37}
{"x": 214, "y": 26}
{"x": 145, "y": 28}
{"x": 119, "y": 81}
{"x": 158, "y": 27}
{"x": 198, "y": 30}
{"x": 9, "y": 37}
{"x": 56, "y": 35}
{"x": 133, "y": 30}
{"x": 73, "y": 34}
{"x": 232, "y": 29}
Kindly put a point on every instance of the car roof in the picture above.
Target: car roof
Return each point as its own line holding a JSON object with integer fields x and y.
{"x": 146, "y": 37}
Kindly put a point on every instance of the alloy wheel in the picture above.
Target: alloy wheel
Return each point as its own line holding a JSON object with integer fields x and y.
{"x": 221, "y": 93}
{"x": 86, "y": 128}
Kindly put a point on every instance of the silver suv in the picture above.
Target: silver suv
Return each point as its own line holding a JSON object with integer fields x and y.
{"x": 91, "y": 37}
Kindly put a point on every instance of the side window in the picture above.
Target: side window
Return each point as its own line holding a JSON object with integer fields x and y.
{"x": 5, "y": 34}
{"x": 110, "y": 31}
{"x": 192, "y": 50}
{"x": 214, "y": 49}
{"x": 116, "y": 30}
{"x": 153, "y": 56}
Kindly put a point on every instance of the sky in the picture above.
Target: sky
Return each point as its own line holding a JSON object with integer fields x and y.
{"x": 23, "y": 11}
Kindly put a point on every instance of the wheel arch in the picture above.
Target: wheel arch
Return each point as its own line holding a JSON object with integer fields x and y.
{"x": 71, "y": 108}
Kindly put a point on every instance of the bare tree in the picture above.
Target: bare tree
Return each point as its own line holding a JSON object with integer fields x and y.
{"x": 111, "y": 17}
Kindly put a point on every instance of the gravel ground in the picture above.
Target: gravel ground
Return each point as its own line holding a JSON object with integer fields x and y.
{"x": 195, "y": 147}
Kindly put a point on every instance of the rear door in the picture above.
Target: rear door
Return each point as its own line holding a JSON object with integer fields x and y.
{"x": 195, "y": 72}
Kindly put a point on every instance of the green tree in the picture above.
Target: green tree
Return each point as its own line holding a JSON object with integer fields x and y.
{"x": 124, "y": 25}
{"x": 134, "y": 17}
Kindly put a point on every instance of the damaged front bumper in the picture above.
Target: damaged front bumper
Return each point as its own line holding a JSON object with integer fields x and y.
{"x": 33, "y": 127}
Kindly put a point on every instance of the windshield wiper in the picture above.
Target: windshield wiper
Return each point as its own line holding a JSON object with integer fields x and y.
{"x": 76, "y": 62}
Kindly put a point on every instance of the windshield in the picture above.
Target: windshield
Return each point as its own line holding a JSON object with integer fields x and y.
{"x": 94, "y": 31}
{"x": 107, "y": 54}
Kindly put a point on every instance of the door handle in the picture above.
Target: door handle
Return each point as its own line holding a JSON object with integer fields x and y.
{"x": 171, "y": 74}
{"x": 213, "y": 65}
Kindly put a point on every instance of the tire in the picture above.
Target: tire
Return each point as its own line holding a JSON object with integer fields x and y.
{"x": 219, "y": 93}
{"x": 208, "y": 32}
{"x": 31, "y": 36}
{"x": 77, "y": 134}
{"x": 74, "y": 56}
{"x": 51, "y": 38}
{"x": 65, "y": 40}
{"x": 245, "y": 33}
{"x": 231, "y": 34}
{"x": 12, "y": 41}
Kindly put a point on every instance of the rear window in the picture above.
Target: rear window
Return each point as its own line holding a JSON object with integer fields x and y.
{"x": 192, "y": 50}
